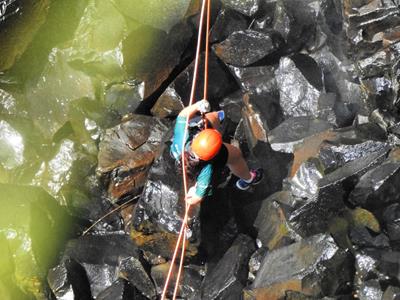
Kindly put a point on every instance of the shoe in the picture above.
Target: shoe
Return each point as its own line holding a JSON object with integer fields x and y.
{"x": 257, "y": 175}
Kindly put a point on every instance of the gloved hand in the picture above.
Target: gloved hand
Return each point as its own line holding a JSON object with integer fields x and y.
{"x": 203, "y": 106}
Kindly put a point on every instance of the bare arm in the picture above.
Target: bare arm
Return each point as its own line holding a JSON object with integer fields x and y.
{"x": 190, "y": 111}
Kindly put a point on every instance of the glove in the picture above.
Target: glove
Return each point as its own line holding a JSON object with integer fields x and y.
{"x": 203, "y": 106}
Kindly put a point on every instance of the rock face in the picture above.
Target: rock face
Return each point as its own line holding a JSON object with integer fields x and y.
{"x": 295, "y": 268}
{"x": 127, "y": 151}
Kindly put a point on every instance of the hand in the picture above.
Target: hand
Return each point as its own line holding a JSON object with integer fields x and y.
{"x": 203, "y": 106}
{"x": 191, "y": 197}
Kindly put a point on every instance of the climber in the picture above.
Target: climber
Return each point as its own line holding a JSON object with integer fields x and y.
{"x": 205, "y": 151}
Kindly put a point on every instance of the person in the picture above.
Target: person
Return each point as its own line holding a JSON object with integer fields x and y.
{"x": 205, "y": 151}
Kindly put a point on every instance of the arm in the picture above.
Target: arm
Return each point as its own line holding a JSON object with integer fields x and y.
{"x": 200, "y": 190}
{"x": 200, "y": 106}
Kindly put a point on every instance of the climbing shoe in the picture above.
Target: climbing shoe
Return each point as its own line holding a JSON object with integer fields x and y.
{"x": 256, "y": 177}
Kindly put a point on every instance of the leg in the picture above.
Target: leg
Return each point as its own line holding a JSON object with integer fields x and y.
{"x": 236, "y": 162}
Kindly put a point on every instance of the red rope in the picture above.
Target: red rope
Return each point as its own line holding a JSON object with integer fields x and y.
{"x": 182, "y": 232}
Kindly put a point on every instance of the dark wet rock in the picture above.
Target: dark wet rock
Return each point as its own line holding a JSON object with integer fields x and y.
{"x": 378, "y": 63}
{"x": 296, "y": 21}
{"x": 378, "y": 187}
{"x": 246, "y": 7}
{"x": 362, "y": 237}
{"x": 169, "y": 104}
{"x": 360, "y": 217}
{"x": 221, "y": 83}
{"x": 256, "y": 80}
{"x": 105, "y": 257}
{"x": 293, "y": 131}
{"x": 287, "y": 269}
{"x": 299, "y": 81}
{"x": 243, "y": 48}
{"x": 232, "y": 106}
{"x": 124, "y": 97}
{"x": 59, "y": 282}
{"x": 262, "y": 113}
{"x": 336, "y": 153}
{"x": 370, "y": 289}
{"x": 381, "y": 94}
{"x": 391, "y": 293}
{"x": 391, "y": 221}
{"x": 304, "y": 183}
{"x": 189, "y": 283}
{"x": 273, "y": 228}
{"x": 228, "y": 278}
{"x": 227, "y": 22}
{"x": 314, "y": 216}
{"x": 255, "y": 262}
{"x": 150, "y": 54}
{"x": 120, "y": 290}
{"x": 132, "y": 269}
{"x": 33, "y": 228}
{"x": 21, "y": 32}
{"x": 127, "y": 151}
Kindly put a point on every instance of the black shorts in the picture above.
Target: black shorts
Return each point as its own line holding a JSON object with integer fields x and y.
{"x": 221, "y": 158}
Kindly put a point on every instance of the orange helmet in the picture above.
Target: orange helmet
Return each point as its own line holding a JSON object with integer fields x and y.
{"x": 207, "y": 144}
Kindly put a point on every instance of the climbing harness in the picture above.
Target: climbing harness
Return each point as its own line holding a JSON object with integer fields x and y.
{"x": 183, "y": 230}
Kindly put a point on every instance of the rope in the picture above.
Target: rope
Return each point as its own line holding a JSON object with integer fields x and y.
{"x": 182, "y": 232}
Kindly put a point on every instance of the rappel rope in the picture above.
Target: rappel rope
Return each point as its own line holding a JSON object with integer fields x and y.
{"x": 182, "y": 233}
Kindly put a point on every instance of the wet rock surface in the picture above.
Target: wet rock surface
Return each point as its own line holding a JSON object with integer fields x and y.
{"x": 89, "y": 91}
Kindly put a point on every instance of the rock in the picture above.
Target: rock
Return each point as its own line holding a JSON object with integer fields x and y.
{"x": 296, "y": 21}
{"x": 391, "y": 293}
{"x": 232, "y": 106}
{"x": 120, "y": 290}
{"x": 273, "y": 228}
{"x": 229, "y": 276}
{"x": 247, "y": 7}
{"x": 362, "y": 237}
{"x": 360, "y": 217}
{"x": 227, "y": 22}
{"x": 256, "y": 80}
{"x": 377, "y": 187}
{"x": 33, "y": 228}
{"x": 132, "y": 269}
{"x": 370, "y": 289}
{"x": 127, "y": 151}
{"x": 391, "y": 221}
{"x": 189, "y": 283}
{"x": 300, "y": 85}
{"x": 124, "y": 97}
{"x": 104, "y": 257}
{"x": 21, "y": 32}
{"x": 255, "y": 262}
{"x": 52, "y": 94}
{"x": 244, "y": 48}
{"x": 169, "y": 104}
{"x": 304, "y": 183}
{"x": 11, "y": 146}
{"x": 287, "y": 269}
{"x": 220, "y": 84}
{"x": 293, "y": 131}
{"x": 333, "y": 188}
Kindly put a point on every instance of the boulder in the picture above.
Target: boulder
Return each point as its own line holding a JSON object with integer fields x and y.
{"x": 313, "y": 217}
{"x": 189, "y": 283}
{"x": 273, "y": 228}
{"x": 315, "y": 266}
{"x": 244, "y": 48}
{"x": 127, "y": 152}
{"x": 33, "y": 227}
{"x": 230, "y": 274}
{"x": 378, "y": 187}
{"x": 300, "y": 84}
{"x": 227, "y": 22}
{"x": 246, "y": 7}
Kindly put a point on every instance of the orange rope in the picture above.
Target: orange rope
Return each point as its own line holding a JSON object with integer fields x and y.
{"x": 182, "y": 232}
